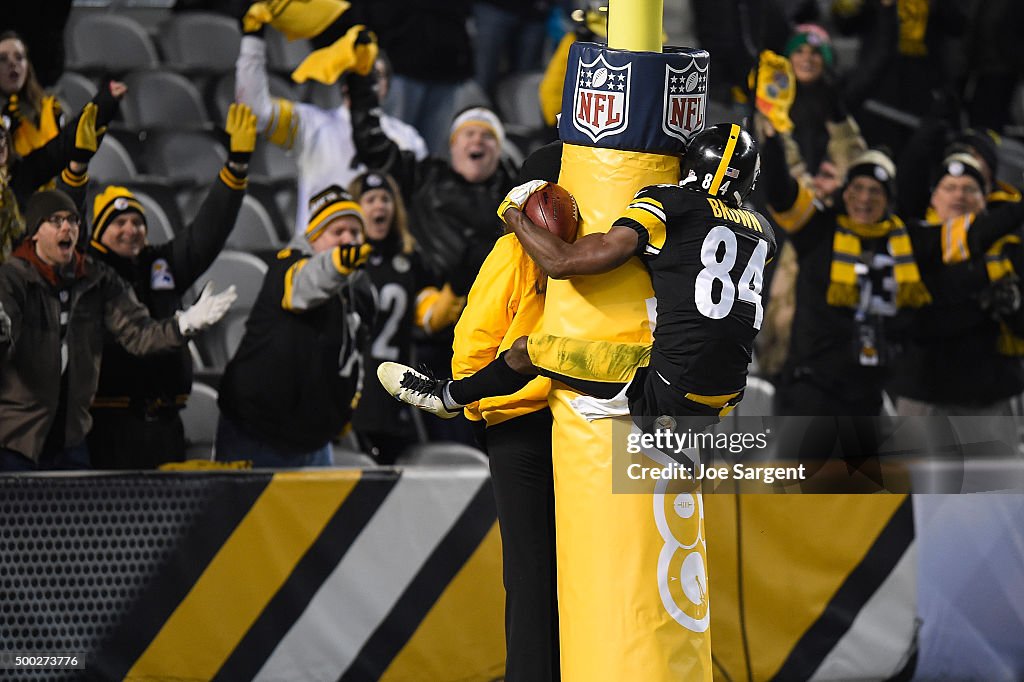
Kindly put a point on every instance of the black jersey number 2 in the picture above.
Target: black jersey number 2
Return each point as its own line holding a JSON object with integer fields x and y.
{"x": 715, "y": 270}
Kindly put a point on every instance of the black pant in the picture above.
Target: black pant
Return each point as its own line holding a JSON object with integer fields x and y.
{"x": 520, "y": 456}
{"x": 125, "y": 439}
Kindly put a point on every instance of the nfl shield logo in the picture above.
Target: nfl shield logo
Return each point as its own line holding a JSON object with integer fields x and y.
{"x": 686, "y": 92}
{"x": 601, "y": 100}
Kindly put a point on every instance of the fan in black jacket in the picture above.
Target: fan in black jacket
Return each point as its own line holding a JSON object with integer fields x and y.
{"x": 136, "y": 421}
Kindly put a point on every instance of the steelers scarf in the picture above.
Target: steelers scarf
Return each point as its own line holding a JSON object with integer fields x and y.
{"x": 843, "y": 290}
{"x": 997, "y": 266}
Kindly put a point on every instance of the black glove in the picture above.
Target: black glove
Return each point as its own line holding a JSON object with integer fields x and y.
{"x": 107, "y": 106}
{"x": 1002, "y": 299}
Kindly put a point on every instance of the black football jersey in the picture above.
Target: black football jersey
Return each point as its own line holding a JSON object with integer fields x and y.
{"x": 706, "y": 262}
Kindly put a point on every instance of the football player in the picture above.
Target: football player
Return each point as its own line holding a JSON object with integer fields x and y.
{"x": 706, "y": 257}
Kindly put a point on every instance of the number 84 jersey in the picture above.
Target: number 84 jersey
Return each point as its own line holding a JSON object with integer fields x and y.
{"x": 706, "y": 262}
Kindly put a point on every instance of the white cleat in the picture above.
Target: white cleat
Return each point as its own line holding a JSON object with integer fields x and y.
{"x": 415, "y": 388}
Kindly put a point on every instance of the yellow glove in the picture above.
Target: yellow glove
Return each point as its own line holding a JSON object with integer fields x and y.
{"x": 438, "y": 309}
{"x": 350, "y": 257}
{"x": 87, "y": 137}
{"x": 256, "y": 16}
{"x": 355, "y": 51}
{"x": 518, "y": 196}
{"x": 776, "y": 90}
{"x": 241, "y": 127}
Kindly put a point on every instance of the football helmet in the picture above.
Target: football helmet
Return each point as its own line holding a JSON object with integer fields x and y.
{"x": 721, "y": 161}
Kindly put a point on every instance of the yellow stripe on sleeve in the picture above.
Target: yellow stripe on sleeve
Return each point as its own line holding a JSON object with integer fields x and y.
{"x": 654, "y": 225}
{"x": 282, "y": 125}
{"x": 794, "y": 218}
{"x": 73, "y": 179}
{"x": 289, "y": 282}
{"x": 232, "y": 180}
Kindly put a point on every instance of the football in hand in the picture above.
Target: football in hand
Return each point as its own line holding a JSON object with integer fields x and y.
{"x": 554, "y": 209}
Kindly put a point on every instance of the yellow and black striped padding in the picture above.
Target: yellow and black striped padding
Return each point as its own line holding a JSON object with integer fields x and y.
{"x": 335, "y": 574}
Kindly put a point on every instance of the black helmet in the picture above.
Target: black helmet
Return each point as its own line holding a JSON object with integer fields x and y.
{"x": 721, "y": 161}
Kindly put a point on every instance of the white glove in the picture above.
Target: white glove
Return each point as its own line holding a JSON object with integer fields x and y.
{"x": 517, "y": 196}
{"x": 207, "y": 310}
{"x": 5, "y": 325}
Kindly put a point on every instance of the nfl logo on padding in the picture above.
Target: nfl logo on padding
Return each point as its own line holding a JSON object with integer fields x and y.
{"x": 685, "y": 98}
{"x": 601, "y": 99}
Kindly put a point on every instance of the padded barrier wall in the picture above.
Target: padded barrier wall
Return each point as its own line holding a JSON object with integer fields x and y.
{"x": 395, "y": 575}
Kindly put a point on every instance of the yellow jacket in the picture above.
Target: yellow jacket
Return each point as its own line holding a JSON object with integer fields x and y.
{"x": 506, "y": 302}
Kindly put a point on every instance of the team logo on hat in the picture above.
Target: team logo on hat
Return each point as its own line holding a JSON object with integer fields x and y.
{"x": 601, "y": 98}
{"x": 686, "y": 93}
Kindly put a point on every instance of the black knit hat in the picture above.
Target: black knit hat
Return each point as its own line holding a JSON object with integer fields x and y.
{"x": 985, "y": 144}
{"x": 960, "y": 165}
{"x": 877, "y": 165}
{"x": 44, "y": 204}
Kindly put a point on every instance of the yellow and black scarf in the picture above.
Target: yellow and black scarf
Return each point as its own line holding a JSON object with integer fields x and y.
{"x": 997, "y": 265}
{"x": 843, "y": 290}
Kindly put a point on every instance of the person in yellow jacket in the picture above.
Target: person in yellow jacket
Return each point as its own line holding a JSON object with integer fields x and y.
{"x": 505, "y": 302}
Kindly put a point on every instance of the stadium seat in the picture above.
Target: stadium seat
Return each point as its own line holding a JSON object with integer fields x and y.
{"x": 321, "y": 95}
{"x": 344, "y": 457}
{"x": 224, "y": 94}
{"x": 757, "y": 399}
{"x": 162, "y": 100}
{"x": 112, "y": 162}
{"x": 200, "y": 416}
{"x": 254, "y": 229}
{"x": 518, "y": 100}
{"x": 200, "y": 41}
{"x": 284, "y": 55}
{"x": 470, "y": 94}
{"x": 74, "y": 91}
{"x": 273, "y": 164}
{"x": 246, "y": 272}
{"x": 158, "y": 225}
{"x": 194, "y": 157}
{"x": 100, "y": 41}
{"x": 442, "y": 454}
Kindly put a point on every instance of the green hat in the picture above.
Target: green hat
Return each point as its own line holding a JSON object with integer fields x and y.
{"x": 816, "y": 37}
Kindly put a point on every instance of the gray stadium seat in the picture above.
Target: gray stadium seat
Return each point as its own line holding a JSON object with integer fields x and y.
{"x": 442, "y": 454}
{"x": 284, "y": 55}
{"x": 518, "y": 100}
{"x": 200, "y": 416}
{"x": 191, "y": 156}
{"x": 274, "y": 164}
{"x": 254, "y": 229}
{"x": 246, "y": 272}
{"x": 224, "y": 93}
{"x": 200, "y": 41}
{"x": 112, "y": 162}
{"x": 110, "y": 42}
{"x": 162, "y": 99}
{"x": 323, "y": 96}
{"x": 75, "y": 91}
{"x": 344, "y": 457}
{"x": 158, "y": 225}
{"x": 757, "y": 399}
